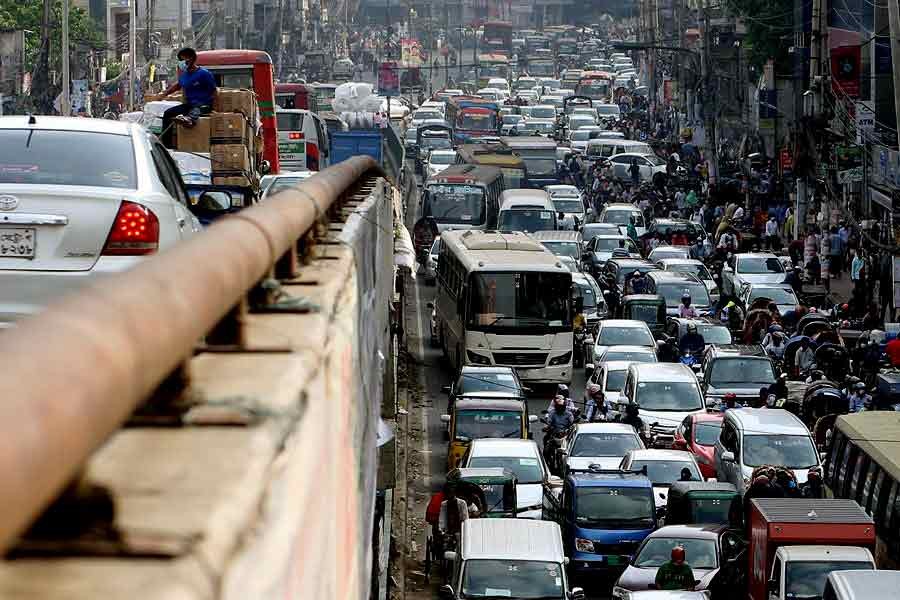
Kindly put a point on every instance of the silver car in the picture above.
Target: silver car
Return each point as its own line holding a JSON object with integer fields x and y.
{"x": 81, "y": 198}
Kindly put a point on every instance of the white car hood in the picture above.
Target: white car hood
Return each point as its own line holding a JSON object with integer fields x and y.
{"x": 664, "y": 418}
{"x": 581, "y": 463}
{"x": 529, "y": 494}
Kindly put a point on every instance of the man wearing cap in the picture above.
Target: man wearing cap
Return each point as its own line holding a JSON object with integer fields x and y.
{"x": 859, "y": 400}
{"x": 675, "y": 574}
{"x": 199, "y": 88}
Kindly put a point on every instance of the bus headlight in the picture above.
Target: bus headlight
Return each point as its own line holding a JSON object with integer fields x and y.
{"x": 477, "y": 359}
{"x": 562, "y": 359}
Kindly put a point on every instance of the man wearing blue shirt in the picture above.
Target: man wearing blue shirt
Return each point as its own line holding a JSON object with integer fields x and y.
{"x": 199, "y": 88}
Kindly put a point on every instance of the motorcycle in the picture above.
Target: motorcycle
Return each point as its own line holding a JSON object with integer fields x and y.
{"x": 690, "y": 359}
{"x": 583, "y": 347}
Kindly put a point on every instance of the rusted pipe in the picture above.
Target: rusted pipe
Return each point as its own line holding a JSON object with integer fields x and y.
{"x": 74, "y": 374}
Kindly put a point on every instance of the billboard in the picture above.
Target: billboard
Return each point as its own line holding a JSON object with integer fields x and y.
{"x": 845, "y": 66}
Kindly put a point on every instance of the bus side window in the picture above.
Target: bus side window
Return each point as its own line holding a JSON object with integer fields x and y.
{"x": 838, "y": 443}
{"x": 856, "y": 481}
{"x": 865, "y": 499}
{"x": 879, "y": 495}
{"x": 848, "y": 461}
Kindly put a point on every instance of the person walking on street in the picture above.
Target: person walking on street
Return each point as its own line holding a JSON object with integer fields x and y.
{"x": 635, "y": 171}
{"x": 836, "y": 251}
{"x": 858, "y": 274}
{"x": 771, "y": 233}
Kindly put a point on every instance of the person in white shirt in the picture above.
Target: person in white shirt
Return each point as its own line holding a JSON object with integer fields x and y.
{"x": 771, "y": 232}
{"x": 738, "y": 214}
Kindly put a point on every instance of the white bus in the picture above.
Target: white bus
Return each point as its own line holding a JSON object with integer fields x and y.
{"x": 504, "y": 299}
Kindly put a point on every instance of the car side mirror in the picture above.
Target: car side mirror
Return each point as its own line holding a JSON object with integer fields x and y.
{"x": 728, "y": 457}
{"x": 445, "y": 389}
{"x": 727, "y": 269}
{"x": 527, "y": 390}
{"x": 450, "y": 555}
{"x": 554, "y": 482}
{"x": 445, "y": 418}
{"x": 577, "y": 593}
{"x": 265, "y": 167}
{"x": 660, "y": 512}
{"x": 430, "y": 305}
{"x": 445, "y": 592}
{"x": 589, "y": 369}
{"x": 532, "y": 418}
{"x": 772, "y": 586}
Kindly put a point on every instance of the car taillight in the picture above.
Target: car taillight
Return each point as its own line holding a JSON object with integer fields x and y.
{"x": 135, "y": 231}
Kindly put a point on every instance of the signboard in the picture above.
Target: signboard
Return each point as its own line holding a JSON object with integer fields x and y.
{"x": 847, "y": 157}
{"x": 768, "y": 108}
{"x": 410, "y": 53}
{"x": 845, "y": 65}
{"x": 388, "y": 80}
{"x": 786, "y": 161}
{"x": 850, "y": 175}
{"x": 865, "y": 120}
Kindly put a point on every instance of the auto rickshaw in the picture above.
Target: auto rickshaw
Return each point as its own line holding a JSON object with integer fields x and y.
{"x": 473, "y": 417}
{"x": 702, "y": 503}
{"x": 833, "y": 359}
{"x": 649, "y": 308}
{"x": 822, "y": 398}
{"x": 493, "y": 488}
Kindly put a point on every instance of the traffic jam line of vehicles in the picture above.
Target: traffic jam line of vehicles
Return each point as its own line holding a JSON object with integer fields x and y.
{"x": 682, "y": 470}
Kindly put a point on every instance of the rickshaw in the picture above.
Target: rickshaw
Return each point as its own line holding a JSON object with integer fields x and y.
{"x": 481, "y": 417}
{"x": 814, "y": 329}
{"x": 649, "y": 308}
{"x": 833, "y": 359}
{"x": 810, "y": 318}
{"x": 756, "y": 320}
{"x": 791, "y": 347}
{"x": 702, "y": 503}
{"x": 492, "y": 489}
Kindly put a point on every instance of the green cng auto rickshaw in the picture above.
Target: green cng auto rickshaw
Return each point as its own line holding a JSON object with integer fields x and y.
{"x": 649, "y": 308}
{"x": 702, "y": 502}
{"x": 494, "y": 487}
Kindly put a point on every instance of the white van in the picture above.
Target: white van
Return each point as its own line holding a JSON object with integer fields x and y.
{"x": 526, "y": 210}
{"x": 862, "y": 585}
{"x": 302, "y": 140}
{"x": 509, "y": 558}
{"x": 608, "y": 148}
{"x": 752, "y": 437}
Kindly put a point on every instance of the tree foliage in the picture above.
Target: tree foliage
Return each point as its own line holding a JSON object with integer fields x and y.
{"x": 26, "y": 14}
{"x": 770, "y": 26}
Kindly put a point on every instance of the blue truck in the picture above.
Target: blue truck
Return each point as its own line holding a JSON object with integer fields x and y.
{"x": 604, "y": 517}
{"x": 383, "y": 144}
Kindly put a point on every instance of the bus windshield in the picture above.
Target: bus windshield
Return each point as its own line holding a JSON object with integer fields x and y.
{"x": 477, "y": 121}
{"x": 595, "y": 90}
{"x": 529, "y": 220}
{"x": 512, "y": 178}
{"x": 528, "y": 302}
{"x": 454, "y": 203}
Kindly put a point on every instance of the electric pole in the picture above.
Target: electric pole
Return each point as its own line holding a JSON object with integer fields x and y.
{"x": 709, "y": 102}
{"x": 65, "y": 102}
{"x": 40, "y": 84}
{"x": 894, "y": 21}
{"x": 132, "y": 51}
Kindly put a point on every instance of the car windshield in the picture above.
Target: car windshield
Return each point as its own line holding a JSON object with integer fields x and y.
{"x": 475, "y": 424}
{"x": 475, "y": 382}
{"x": 699, "y": 270}
{"x": 622, "y": 217}
{"x": 523, "y": 579}
{"x": 662, "y": 252}
{"x": 538, "y": 167}
{"x": 572, "y": 249}
{"x": 542, "y": 126}
{"x": 714, "y": 334}
{"x": 525, "y": 301}
{"x": 607, "y": 109}
{"x": 580, "y": 135}
{"x": 775, "y": 294}
{"x": 657, "y": 551}
{"x": 741, "y": 369}
{"x": 477, "y": 122}
{"x": 806, "y": 579}
{"x": 707, "y": 433}
{"x": 672, "y": 292}
{"x": 568, "y": 206}
{"x": 625, "y": 336}
{"x": 669, "y": 396}
{"x": 543, "y": 112}
{"x": 511, "y": 119}
{"x": 60, "y": 157}
{"x": 666, "y": 472}
{"x": 791, "y": 451}
{"x": 759, "y": 265}
{"x": 441, "y": 158}
{"x": 526, "y": 470}
{"x": 435, "y": 143}
{"x": 604, "y": 444}
{"x": 615, "y": 381}
{"x": 421, "y": 115}
{"x": 526, "y": 220}
{"x": 454, "y": 203}
{"x": 629, "y": 355}
{"x": 619, "y": 507}
{"x": 654, "y": 160}
{"x": 610, "y": 244}
{"x": 589, "y": 293}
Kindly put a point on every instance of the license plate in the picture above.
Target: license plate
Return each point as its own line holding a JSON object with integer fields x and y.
{"x": 17, "y": 243}
{"x": 615, "y": 560}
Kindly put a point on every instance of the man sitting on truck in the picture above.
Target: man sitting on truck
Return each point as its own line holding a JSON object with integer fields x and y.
{"x": 675, "y": 574}
{"x": 199, "y": 87}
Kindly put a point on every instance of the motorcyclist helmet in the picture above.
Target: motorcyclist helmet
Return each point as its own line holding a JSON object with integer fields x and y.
{"x": 859, "y": 385}
{"x": 636, "y": 274}
{"x": 816, "y": 375}
{"x": 775, "y": 328}
{"x": 686, "y": 299}
{"x": 563, "y": 390}
{"x": 678, "y": 555}
{"x": 692, "y": 328}
{"x": 559, "y": 404}
{"x": 813, "y": 475}
{"x": 631, "y": 409}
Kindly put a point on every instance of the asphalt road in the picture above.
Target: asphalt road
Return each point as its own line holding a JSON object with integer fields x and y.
{"x": 432, "y": 372}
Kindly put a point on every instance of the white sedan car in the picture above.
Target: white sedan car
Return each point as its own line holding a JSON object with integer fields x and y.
{"x": 80, "y": 198}
{"x": 438, "y": 160}
{"x": 751, "y": 268}
{"x": 524, "y": 459}
{"x": 601, "y": 444}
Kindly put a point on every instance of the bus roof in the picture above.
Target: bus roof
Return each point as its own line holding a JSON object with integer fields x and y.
{"x": 495, "y": 251}
{"x": 878, "y": 435}
{"x": 212, "y": 58}
{"x": 490, "y": 154}
{"x": 467, "y": 174}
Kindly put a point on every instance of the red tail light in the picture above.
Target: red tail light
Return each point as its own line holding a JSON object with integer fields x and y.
{"x": 134, "y": 232}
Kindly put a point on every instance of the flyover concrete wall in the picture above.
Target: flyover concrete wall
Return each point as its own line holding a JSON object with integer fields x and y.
{"x": 267, "y": 490}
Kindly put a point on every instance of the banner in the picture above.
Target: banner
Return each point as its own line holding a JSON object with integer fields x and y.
{"x": 410, "y": 53}
{"x": 845, "y": 65}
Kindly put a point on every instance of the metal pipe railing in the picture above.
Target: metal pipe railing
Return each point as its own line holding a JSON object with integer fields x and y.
{"x": 73, "y": 375}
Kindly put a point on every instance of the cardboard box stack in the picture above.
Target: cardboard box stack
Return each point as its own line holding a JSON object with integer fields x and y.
{"x": 230, "y": 137}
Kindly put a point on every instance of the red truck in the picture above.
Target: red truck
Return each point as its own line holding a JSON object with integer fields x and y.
{"x": 817, "y": 525}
